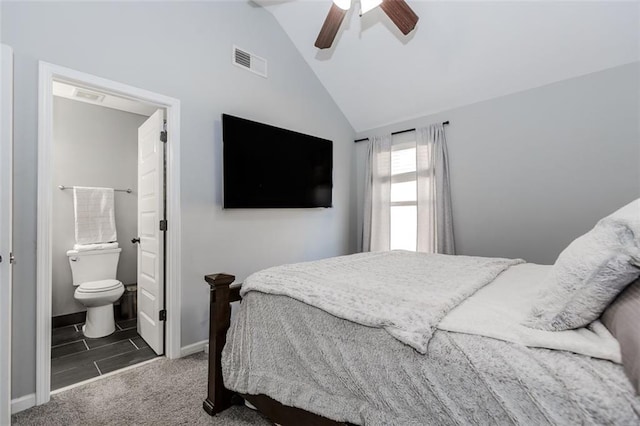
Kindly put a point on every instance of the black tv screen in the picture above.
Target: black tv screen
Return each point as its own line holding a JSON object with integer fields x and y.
{"x": 270, "y": 167}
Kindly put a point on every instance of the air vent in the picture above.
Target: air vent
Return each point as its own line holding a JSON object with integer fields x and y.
{"x": 88, "y": 95}
{"x": 243, "y": 58}
{"x": 249, "y": 61}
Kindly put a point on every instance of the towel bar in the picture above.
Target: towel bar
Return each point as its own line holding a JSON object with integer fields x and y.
{"x": 128, "y": 190}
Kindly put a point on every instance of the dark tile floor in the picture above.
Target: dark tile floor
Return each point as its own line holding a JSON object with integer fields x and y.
{"x": 75, "y": 358}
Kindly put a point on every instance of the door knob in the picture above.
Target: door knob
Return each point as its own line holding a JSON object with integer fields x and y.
{"x": 136, "y": 240}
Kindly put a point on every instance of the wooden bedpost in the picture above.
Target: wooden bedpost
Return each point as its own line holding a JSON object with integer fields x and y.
{"x": 221, "y": 295}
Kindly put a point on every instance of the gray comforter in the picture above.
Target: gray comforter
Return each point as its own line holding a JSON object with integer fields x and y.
{"x": 406, "y": 293}
{"x": 304, "y": 357}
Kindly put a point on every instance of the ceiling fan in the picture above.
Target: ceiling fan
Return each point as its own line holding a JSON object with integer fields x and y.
{"x": 398, "y": 10}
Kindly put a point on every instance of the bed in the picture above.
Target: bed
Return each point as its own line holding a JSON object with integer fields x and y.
{"x": 360, "y": 340}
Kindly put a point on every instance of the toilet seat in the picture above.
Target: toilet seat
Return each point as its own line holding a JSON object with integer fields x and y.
{"x": 98, "y": 286}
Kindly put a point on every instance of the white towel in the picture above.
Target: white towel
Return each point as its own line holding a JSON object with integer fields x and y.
{"x": 95, "y": 218}
{"x": 101, "y": 246}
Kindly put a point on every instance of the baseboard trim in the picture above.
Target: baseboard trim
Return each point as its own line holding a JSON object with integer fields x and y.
{"x": 23, "y": 403}
{"x": 68, "y": 319}
{"x": 193, "y": 348}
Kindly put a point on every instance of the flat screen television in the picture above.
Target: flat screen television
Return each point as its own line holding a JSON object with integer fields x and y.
{"x": 270, "y": 167}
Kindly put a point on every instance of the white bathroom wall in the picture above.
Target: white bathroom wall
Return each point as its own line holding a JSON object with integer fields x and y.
{"x": 93, "y": 146}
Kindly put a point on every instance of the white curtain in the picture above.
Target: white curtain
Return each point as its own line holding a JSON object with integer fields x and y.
{"x": 435, "y": 222}
{"x": 377, "y": 196}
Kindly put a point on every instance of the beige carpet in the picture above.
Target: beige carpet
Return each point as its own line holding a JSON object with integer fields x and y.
{"x": 164, "y": 392}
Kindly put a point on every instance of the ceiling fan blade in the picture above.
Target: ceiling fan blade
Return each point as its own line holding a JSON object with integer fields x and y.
{"x": 401, "y": 14}
{"x": 330, "y": 27}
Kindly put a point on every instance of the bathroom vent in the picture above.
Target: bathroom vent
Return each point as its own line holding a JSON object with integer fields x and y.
{"x": 88, "y": 95}
{"x": 249, "y": 61}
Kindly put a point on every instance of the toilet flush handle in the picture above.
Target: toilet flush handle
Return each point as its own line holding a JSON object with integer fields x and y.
{"x": 73, "y": 259}
{"x": 135, "y": 240}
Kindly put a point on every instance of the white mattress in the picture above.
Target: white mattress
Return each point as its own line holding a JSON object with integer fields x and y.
{"x": 498, "y": 309}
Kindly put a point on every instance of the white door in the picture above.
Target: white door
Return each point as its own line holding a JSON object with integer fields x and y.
{"x": 6, "y": 238}
{"x": 151, "y": 246}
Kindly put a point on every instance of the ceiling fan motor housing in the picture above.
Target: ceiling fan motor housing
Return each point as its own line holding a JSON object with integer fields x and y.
{"x": 397, "y": 10}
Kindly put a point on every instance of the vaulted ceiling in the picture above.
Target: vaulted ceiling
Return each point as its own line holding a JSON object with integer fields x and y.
{"x": 459, "y": 53}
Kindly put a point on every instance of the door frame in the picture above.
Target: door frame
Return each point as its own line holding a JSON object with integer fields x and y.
{"x": 47, "y": 74}
{"x": 6, "y": 184}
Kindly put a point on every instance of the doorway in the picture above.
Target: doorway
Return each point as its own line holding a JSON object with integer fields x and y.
{"x": 96, "y": 276}
{"x": 167, "y": 317}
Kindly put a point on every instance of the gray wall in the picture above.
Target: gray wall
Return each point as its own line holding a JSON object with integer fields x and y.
{"x": 181, "y": 50}
{"x": 532, "y": 171}
{"x": 92, "y": 146}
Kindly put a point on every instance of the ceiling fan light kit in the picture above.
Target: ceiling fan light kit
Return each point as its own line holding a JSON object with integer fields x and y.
{"x": 343, "y": 4}
{"x": 367, "y": 5}
{"x": 397, "y": 10}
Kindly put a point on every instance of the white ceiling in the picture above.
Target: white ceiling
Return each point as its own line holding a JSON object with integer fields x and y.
{"x": 81, "y": 94}
{"x": 459, "y": 53}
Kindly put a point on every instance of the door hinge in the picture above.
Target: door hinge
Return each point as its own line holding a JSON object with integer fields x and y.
{"x": 163, "y": 225}
{"x": 163, "y": 133}
{"x": 163, "y": 315}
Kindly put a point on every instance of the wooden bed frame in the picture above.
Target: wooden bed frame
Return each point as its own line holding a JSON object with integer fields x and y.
{"x": 219, "y": 398}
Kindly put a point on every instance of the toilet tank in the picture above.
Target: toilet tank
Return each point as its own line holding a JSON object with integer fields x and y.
{"x": 93, "y": 265}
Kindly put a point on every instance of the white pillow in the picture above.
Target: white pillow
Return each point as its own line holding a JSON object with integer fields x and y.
{"x": 590, "y": 273}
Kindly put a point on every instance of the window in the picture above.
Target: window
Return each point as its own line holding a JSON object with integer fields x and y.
{"x": 404, "y": 207}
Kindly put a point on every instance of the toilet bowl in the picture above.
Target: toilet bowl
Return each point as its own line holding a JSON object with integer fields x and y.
{"x": 98, "y": 297}
{"x": 94, "y": 273}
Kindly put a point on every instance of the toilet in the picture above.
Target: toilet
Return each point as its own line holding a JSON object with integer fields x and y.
{"x": 94, "y": 275}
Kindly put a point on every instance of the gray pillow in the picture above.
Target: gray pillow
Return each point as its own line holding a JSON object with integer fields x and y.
{"x": 590, "y": 273}
{"x": 622, "y": 319}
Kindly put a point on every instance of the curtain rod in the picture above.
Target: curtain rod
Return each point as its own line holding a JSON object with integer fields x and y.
{"x": 128, "y": 190}
{"x": 444, "y": 123}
